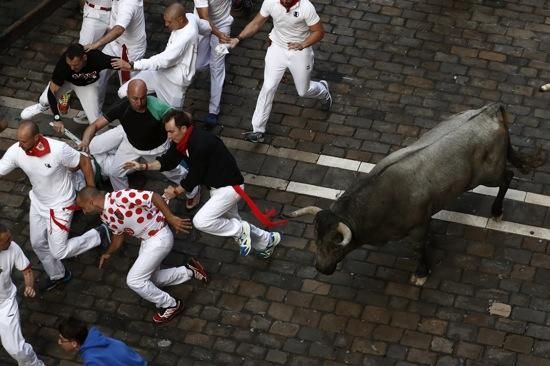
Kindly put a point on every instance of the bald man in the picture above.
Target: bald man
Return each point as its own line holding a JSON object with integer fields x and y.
{"x": 169, "y": 73}
{"x": 140, "y": 134}
{"x": 49, "y": 164}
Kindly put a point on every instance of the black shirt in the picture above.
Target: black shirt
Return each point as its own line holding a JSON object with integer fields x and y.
{"x": 143, "y": 130}
{"x": 89, "y": 74}
{"x": 210, "y": 162}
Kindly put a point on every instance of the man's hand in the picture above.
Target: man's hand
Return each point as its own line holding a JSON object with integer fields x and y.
{"x": 84, "y": 146}
{"x": 132, "y": 165}
{"x": 233, "y": 42}
{"x": 120, "y": 64}
{"x": 170, "y": 192}
{"x": 181, "y": 225}
{"x": 224, "y": 38}
{"x": 58, "y": 127}
{"x": 103, "y": 260}
{"x": 295, "y": 46}
{"x": 29, "y": 291}
{"x": 91, "y": 46}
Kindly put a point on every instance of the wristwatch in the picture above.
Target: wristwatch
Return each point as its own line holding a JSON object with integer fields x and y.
{"x": 57, "y": 117}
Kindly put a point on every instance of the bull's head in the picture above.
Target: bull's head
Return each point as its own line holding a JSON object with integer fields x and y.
{"x": 333, "y": 238}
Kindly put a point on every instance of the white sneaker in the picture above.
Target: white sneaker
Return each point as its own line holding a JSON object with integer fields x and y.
{"x": 274, "y": 240}
{"x": 327, "y": 103}
{"x": 81, "y": 118}
{"x": 33, "y": 110}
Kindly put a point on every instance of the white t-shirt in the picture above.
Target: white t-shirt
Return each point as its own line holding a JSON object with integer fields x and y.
{"x": 10, "y": 258}
{"x": 132, "y": 212}
{"x": 292, "y": 26}
{"x": 218, "y": 10}
{"x": 129, "y": 15}
{"x": 100, "y": 3}
{"x": 50, "y": 177}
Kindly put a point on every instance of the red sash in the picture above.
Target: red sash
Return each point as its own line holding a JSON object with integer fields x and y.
{"x": 124, "y": 75}
{"x": 41, "y": 148}
{"x": 58, "y": 222}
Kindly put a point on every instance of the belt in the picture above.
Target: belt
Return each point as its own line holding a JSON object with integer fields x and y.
{"x": 97, "y": 6}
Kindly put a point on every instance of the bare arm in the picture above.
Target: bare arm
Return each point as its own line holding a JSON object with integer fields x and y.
{"x": 316, "y": 34}
{"x": 86, "y": 167}
{"x": 110, "y": 36}
{"x": 251, "y": 28}
{"x": 183, "y": 225}
{"x": 28, "y": 277}
{"x": 116, "y": 243}
{"x": 203, "y": 14}
{"x": 90, "y": 132}
{"x": 134, "y": 165}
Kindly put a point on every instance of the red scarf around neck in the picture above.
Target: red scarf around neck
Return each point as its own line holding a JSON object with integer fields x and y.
{"x": 41, "y": 148}
{"x": 294, "y": 2}
{"x": 263, "y": 217}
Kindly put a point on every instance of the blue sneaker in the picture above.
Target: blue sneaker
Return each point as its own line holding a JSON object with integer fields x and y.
{"x": 104, "y": 236}
{"x": 274, "y": 240}
{"x": 51, "y": 284}
{"x": 244, "y": 240}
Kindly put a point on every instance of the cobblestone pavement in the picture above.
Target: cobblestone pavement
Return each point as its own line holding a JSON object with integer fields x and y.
{"x": 395, "y": 68}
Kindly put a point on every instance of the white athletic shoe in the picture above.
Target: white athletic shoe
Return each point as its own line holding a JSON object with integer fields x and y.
{"x": 327, "y": 103}
{"x": 33, "y": 110}
{"x": 545, "y": 87}
{"x": 81, "y": 118}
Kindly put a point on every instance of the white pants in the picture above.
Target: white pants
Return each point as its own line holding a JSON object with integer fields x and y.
{"x": 95, "y": 23}
{"x": 11, "y": 336}
{"x": 277, "y": 60}
{"x": 88, "y": 96}
{"x": 114, "y": 49}
{"x": 220, "y": 216}
{"x": 208, "y": 56}
{"x": 157, "y": 82}
{"x": 51, "y": 243}
{"x": 145, "y": 277}
{"x": 103, "y": 145}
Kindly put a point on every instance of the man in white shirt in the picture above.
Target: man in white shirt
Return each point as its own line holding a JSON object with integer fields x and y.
{"x": 169, "y": 73}
{"x": 144, "y": 215}
{"x": 125, "y": 39}
{"x": 218, "y": 14}
{"x": 11, "y": 256}
{"x": 49, "y": 165}
{"x": 95, "y": 20}
{"x": 296, "y": 27}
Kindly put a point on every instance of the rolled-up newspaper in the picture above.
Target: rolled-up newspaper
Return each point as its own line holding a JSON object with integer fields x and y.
{"x": 71, "y": 136}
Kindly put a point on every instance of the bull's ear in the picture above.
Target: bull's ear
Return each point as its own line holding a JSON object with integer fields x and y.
{"x": 345, "y": 231}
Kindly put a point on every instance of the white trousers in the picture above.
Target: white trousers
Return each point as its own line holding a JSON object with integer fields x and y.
{"x": 170, "y": 93}
{"x": 88, "y": 96}
{"x": 208, "y": 56}
{"x": 277, "y": 60}
{"x": 220, "y": 216}
{"x": 102, "y": 147}
{"x": 145, "y": 277}
{"x": 95, "y": 23}
{"x": 11, "y": 336}
{"x": 51, "y": 243}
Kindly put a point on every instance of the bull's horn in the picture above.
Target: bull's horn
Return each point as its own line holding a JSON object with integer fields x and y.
{"x": 310, "y": 210}
{"x": 346, "y": 234}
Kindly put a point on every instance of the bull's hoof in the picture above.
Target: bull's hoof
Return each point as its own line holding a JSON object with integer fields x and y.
{"x": 418, "y": 281}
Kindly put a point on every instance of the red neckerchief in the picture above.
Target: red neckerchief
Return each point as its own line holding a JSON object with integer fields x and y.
{"x": 41, "y": 148}
{"x": 294, "y": 2}
{"x": 182, "y": 145}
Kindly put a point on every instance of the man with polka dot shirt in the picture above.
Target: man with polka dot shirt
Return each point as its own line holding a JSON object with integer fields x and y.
{"x": 144, "y": 214}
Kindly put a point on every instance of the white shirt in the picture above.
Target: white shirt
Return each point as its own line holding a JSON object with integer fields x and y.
{"x": 292, "y": 26}
{"x": 218, "y": 10}
{"x": 178, "y": 59}
{"x": 129, "y": 15}
{"x": 99, "y": 3}
{"x": 132, "y": 212}
{"x": 50, "y": 177}
{"x": 10, "y": 258}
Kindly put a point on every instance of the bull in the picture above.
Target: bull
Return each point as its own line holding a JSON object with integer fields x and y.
{"x": 397, "y": 199}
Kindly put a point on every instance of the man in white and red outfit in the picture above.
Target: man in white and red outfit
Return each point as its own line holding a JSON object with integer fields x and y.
{"x": 49, "y": 165}
{"x": 11, "y": 256}
{"x": 211, "y": 164}
{"x": 144, "y": 214}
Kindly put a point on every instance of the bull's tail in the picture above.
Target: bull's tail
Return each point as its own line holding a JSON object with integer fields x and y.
{"x": 525, "y": 163}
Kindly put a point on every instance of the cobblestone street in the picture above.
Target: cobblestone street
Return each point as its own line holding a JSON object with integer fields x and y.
{"x": 395, "y": 68}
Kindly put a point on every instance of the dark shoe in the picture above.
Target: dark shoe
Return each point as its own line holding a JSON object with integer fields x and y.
{"x": 254, "y": 136}
{"x": 211, "y": 119}
{"x": 51, "y": 284}
{"x": 164, "y": 315}
{"x": 104, "y": 235}
{"x": 199, "y": 273}
{"x": 327, "y": 103}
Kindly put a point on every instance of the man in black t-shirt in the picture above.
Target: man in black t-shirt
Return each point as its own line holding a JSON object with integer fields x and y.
{"x": 76, "y": 70}
{"x": 140, "y": 134}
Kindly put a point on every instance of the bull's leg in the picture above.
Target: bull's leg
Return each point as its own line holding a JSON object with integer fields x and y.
{"x": 496, "y": 209}
{"x": 422, "y": 243}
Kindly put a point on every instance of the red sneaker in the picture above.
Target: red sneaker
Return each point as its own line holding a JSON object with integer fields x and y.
{"x": 199, "y": 272}
{"x": 164, "y": 315}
